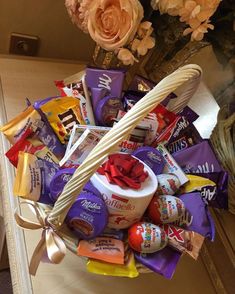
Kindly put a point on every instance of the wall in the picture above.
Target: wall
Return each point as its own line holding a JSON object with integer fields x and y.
{"x": 47, "y": 19}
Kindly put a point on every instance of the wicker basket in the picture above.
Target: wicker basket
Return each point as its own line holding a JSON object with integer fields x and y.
{"x": 223, "y": 141}
{"x": 55, "y": 236}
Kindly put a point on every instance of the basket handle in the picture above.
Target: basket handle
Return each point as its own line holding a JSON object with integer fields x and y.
{"x": 190, "y": 73}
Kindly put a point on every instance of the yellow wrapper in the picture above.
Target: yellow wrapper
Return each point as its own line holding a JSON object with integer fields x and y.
{"x": 196, "y": 183}
{"x": 28, "y": 177}
{"x": 14, "y": 129}
{"x": 63, "y": 113}
{"x": 109, "y": 269}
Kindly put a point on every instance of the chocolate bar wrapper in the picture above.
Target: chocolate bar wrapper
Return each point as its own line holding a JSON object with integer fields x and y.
{"x": 33, "y": 178}
{"x": 31, "y": 120}
{"x": 199, "y": 158}
{"x": 171, "y": 166}
{"x": 189, "y": 114}
{"x": 61, "y": 178}
{"x": 111, "y": 80}
{"x": 107, "y": 109}
{"x": 187, "y": 138}
{"x": 218, "y": 197}
{"x": 196, "y": 217}
{"x": 141, "y": 84}
{"x": 172, "y": 131}
{"x": 96, "y": 95}
{"x": 163, "y": 262}
{"x": 30, "y": 144}
{"x": 130, "y": 98}
{"x": 183, "y": 241}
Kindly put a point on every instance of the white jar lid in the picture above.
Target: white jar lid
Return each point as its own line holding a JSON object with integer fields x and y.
{"x": 148, "y": 187}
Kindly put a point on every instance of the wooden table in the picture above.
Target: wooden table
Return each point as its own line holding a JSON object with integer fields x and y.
{"x": 34, "y": 79}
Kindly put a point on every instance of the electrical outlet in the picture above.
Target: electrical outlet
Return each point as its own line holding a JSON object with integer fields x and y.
{"x": 23, "y": 44}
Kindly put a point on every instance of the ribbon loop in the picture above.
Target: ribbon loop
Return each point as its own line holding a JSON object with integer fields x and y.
{"x": 124, "y": 171}
{"x": 50, "y": 244}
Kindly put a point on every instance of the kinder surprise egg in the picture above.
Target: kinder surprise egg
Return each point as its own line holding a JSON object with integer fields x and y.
{"x": 165, "y": 209}
{"x": 168, "y": 184}
{"x": 146, "y": 237}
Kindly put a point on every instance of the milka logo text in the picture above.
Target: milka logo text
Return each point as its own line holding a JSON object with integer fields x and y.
{"x": 91, "y": 206}
{"x": 185, "y": 219}
{"x": 104, "y": 82}
{"x": 181, "y": 125}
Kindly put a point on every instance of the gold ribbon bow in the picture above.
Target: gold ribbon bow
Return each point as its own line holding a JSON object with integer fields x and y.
{"x": 51, "y": 243}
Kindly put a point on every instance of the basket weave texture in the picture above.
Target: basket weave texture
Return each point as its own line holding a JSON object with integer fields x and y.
{"x": 223, "y": 141}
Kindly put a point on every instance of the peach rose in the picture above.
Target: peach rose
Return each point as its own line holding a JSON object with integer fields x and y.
{"x": 78, "y": 12}
{"x": 112, "y": 24}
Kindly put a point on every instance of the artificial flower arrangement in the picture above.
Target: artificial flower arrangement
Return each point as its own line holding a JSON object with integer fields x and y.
{"x": 122, "y": 27}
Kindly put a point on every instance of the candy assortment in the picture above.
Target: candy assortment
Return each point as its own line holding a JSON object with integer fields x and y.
{"x": 146, "y": 205}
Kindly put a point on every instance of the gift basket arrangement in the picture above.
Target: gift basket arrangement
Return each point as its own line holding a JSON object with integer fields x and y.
{"x": 117, "y": 173}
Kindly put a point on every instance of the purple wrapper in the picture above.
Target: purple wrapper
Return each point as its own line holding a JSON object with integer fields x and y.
{"x": 61, "y": 178}
{"x": 168, "y": 99}
{"x": 111, "y": 80}
{"x": 107, "y": 110}
{"x": 197, "y": 217}
{"x": 46, "y": 133}
{"x": 217, "y": 198}
{"x": 58, "y": 182}
{"x": 189, "y": 114}
{"x": 130, "y": 98}
{"x": 48, "y": 170}
{"x": 199, "y": 158}
{"x": 152, "y": 157}
{"x": 141, "y": 84}
{"x": 163, "y": 262}
{"x": 96, "y": 95}
{"x": 88, "y": 216}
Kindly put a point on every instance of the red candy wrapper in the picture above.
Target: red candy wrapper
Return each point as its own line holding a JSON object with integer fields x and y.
{"x": 30, "y": 144}
{"x": 183, "y": 241}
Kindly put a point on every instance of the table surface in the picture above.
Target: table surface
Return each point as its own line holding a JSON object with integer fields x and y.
{"x": 34, "y": 79}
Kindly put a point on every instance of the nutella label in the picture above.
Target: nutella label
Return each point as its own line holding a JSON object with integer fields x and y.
{"x": 129, "y": 146}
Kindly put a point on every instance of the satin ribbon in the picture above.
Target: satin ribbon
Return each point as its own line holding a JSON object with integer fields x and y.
{"x": 124, "y": 171}
{"x": 51, "y": 243}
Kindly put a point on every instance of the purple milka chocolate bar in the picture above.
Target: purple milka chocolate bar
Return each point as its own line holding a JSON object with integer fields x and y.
{"x": 61, "y": 178}
{"x": 163, "y": 262}
{"x": 111, "y": 80}
{"x": 152, "y": 157}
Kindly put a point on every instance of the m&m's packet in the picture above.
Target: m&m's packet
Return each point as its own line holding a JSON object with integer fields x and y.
{"x": 62, "y": 113}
